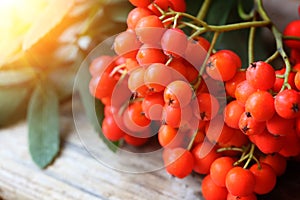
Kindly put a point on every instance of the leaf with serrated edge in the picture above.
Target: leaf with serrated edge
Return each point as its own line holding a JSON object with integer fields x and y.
{"x": 43, "y": 125}
{"x": 53, "y": 15}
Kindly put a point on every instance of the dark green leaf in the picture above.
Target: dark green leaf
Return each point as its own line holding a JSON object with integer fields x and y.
{"x": 93, "y": 107}
{"x": 219, "y": 11}
{"x": 43, "y": 125}
{"x": 218, "y": 14}
{"x": 237, "y": 41}
{"x": 192, "y": 6}
{"x": 225, "y": 12}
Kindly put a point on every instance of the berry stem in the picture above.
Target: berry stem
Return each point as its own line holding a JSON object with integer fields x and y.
{"x": 250, "y": 156}
{"x": 192, "y": 140}
{"x": 273, "y": 57}
{"x": 251, "y": 43}
{"x": 278, "y": 38}
{"x": 230, "y": 149}
{"x": 202, "y": 69}
{"x": 201, "y": 26}
{"x": 117, "y": 69}
{"x": 237, "y": 26}
{"x": 169, "y": 61}
{"x": 211, "y": 47}
{"x": 203, "y": 10}
{"x": 175, "y": 22}
{"x": 287, "y": 37}
{"x": 182, "y": 14}
{"x": 257, "y": 161}
{"x": 279, "y": 75}
{"x": 162, "y": 12}
{"x": 245, "y": 16}
{"x": 224, "y": 28}
{"x": 279, "y": 43}
{"x": 238, "y": 162}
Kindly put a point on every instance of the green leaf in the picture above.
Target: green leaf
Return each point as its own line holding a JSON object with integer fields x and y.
{"x": 219, "y": 11}
{"x": 93, "y": 107}
{"x": 218, "y": 14}
{"x": 53, "y": 15}
{"x": 43, "y": 125}
{"x": 237, "y": 41}
{"x": 192, "y": 6}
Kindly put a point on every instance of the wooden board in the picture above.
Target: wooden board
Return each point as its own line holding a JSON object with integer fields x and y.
{"x": 76, "y": 174}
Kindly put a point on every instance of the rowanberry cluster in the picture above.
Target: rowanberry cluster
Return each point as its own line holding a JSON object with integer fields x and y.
{"x": 237, "y": 126}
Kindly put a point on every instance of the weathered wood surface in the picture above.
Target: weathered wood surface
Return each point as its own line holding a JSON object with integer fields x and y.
{"x": 75, "y": 174}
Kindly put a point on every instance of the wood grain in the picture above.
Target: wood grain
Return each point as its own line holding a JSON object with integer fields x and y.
{"x": 76, "y": 174}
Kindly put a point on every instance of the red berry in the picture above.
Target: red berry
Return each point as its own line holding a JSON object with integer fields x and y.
{"x": 232, "y": 84}
{"x": 103, "y": 86}
{"x": 111, "y": 130}
{"x": 279, "y": 126}
{"x": 232, "y": 113}
{"x": 135, "y": 15}
{"x": 152, "y": 105}
{"x": 279, "y": 81}
{"x": 163, "y": 4}
{"x": 218, "y": 132}
{"x": 178, "y": 5}
{"x": 260, "y": 75}
{"x": 222, "y": 65}
{"x": 287, "y": 104}
{"x": 249, "y": 126}
{"x": 135, "y": 141}
{"x": 149, "y": 29}
{"x": 219, "y": 169}
{"x": 174, "y": 42}
{"x": 260, "y": 101}
{"x": 243, "y": 91}
{"x": 240, "y": 181}
{"x": 267, "y": 142}
{"x": 205, "y": 154}
{"x": 178, "y": 94}
{"x": 157, "y": 77}
{"x": 276, "y": 161}
{"x": 292, "y": 29}
{"x": 140, "y": 3}
{"x": 265, "y": 178}
{"x": 148, "y": 54}
{"x": 248, "y": 197}
{"x": 195, "y": 54}
{"x": 101, "y": 64}
{"x": 179, "y": 162}
{"x": 167, "y": 136}
{"x": 208, "y": 106}
{"x": 212, "y": 191}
